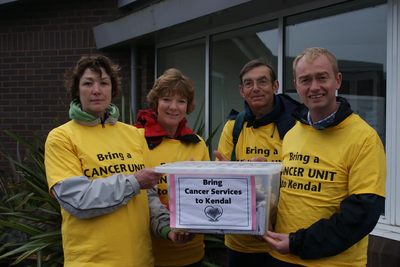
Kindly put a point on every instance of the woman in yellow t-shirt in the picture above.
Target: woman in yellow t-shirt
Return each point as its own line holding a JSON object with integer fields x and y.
{"x": 168, "y": 139}
{"x": 95, "y": 169}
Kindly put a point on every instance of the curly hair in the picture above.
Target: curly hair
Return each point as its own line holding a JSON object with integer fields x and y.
{"x": 96, "y": 63}
{"x": 170, "y": 83}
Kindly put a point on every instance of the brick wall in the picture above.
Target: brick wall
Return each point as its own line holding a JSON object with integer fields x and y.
{"x": 39, "y": 40}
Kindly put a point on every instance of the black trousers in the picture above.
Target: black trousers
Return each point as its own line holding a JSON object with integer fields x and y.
{"x": 239, "y": 259}
{"x": 277, "y": 263}
{"x": 196, "y": 264}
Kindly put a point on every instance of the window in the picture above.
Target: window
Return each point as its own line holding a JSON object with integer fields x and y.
{"x": 187, "y": 57}
{"x": 230, "y": 51}
{"x": 356, "y": 35}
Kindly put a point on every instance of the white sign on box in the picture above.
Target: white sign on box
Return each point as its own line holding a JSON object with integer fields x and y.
{"x": 212, "y": 201}
{"x": 222, "y": 197}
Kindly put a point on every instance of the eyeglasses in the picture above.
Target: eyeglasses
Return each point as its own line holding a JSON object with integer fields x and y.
{"x": 249, "y": 84}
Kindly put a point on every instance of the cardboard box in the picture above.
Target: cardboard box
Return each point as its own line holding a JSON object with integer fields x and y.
{"x": 222, "y": 197}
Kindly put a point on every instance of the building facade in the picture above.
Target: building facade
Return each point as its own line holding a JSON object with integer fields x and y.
{"x": 209, "y": 41}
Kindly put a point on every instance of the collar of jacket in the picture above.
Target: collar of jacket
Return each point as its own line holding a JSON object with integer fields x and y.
{"x": 77, "y": 115}
{"x": 300, "y": 113}
{"x": 154, "y": 132}
{"x": 266, "y": 119}
{"x": 280, "y": 115}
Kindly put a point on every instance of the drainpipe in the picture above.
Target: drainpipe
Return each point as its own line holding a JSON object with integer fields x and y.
{"x": 134, "y": 83}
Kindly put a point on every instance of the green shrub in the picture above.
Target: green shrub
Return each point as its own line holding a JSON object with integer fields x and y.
{"x": 30, "y": 218}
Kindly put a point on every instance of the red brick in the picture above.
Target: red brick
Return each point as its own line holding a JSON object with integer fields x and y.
{"x": 67, "y": 27}
{"x": 25, "y": 96}
{"x": 10, "y": 60}
{"x": 17, "y": 114}
{"x": 50, "y": 53}
{"x": 41, "y": 83}
{"x": 42, "y": 71}
{"x": 50, "y": 28}
{"x": 18, "y": 54}
{"x": 34, "y": 65}
{"x": 25, "y": 108}
{"x": 34, "y": 29}
{"x": 58, "y": 21}
{"x": 25, "y": 59}
{"x": 25, "y": 71}
{"x": 41, "y": 59}
{"x": 42, "y": 22}
{"x": 37, "y": 44}
{"x": 33, "y": 102}
{"x": 24, "y": 84}
{"x": 18, "y": 66}
{"x": 18, "y": 126}
{"x": 34, "y": 127}
{"x": 34, "y": 77}
{"x": 33, "y": 53}
{"x": 50, "y": 65}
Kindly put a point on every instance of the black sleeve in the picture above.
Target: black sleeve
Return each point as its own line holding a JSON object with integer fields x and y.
{"x": 329, "y": 237}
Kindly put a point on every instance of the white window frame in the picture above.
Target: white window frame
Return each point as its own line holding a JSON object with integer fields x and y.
{"x": 389, "y": 225}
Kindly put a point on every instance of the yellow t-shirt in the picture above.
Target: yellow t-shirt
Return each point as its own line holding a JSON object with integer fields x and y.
{"x": 167, "y": 253}
{"x": 323, "y": 167}
{"x": 121, "y": 238}
{"x": 263, "y": 141}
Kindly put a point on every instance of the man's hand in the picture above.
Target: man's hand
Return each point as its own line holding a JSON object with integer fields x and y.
{"x": 279, "y": 242}
{"x": 219, "y": 156}
{"x": 147, "y": 178}
{"x": 260, "y": 237}
{"x": 180, "y": 237}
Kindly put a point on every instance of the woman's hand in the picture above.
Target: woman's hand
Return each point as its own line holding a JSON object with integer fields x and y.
{"x": 147, "y": 178}
{"x": 180, "y": 237}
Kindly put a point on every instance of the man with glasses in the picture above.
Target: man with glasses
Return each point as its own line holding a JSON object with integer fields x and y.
{"x": 327, "y": 209}
{"x": 266, "y": 121}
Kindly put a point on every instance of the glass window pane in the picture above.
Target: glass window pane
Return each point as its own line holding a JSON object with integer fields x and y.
{"x": 189, "y": 58}
{"x": 230, "y": 51}
{"x": 356, "y": 35}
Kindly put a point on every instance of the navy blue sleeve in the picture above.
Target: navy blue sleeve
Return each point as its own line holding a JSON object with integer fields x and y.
{"x": 329, "y": 237}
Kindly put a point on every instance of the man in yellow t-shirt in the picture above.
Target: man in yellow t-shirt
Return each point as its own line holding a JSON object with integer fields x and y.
{"x": 266, "y": 121}
{"x": 333, "y": 183}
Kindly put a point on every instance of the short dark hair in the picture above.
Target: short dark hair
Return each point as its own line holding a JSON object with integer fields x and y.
{"x": 170, "y": 83}
{"x": 256, "y": 63}
{"x": 96, "y": 63}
